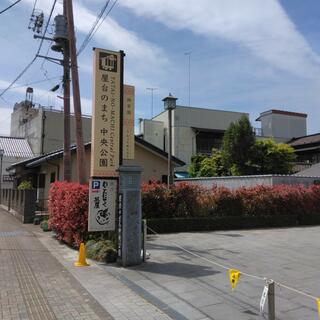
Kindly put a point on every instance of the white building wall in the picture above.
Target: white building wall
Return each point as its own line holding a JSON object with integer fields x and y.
{"x": 54, "y": 130}
{"x": 153, "y": 132}
{"x": 185, "y": 144}
{"x": 251, "y": 181}
{"x": 188, "y": 118}
{"x": 7, "y": 162}
{"x": 163, "y": 117}
{"x": 27, "y": 123}
{"x": 184, "y": 120}
{"x": 205, "y": 118}
{"x": 44, "y": 128}
{"x": 283, "y": 127}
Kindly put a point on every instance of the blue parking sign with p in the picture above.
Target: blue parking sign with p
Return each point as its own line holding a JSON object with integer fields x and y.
{"x": 95, "y": 185}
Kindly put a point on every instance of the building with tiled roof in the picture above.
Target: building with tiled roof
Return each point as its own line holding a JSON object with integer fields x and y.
{"x": 14, "y": 150}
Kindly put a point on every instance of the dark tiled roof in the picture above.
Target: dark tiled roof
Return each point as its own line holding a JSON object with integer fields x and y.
{"x": 283, "y": 112}
{"x": 311, "y": 139}
{"x": 59, "y": 153}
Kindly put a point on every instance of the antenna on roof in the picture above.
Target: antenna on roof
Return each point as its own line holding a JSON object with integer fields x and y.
{"x": 29, "y": 97}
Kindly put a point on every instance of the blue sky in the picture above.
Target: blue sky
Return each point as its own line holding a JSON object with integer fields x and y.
{"x": 248, "y": 55}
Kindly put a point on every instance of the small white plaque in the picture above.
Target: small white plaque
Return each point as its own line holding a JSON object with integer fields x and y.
{"x": 102, "y": 204}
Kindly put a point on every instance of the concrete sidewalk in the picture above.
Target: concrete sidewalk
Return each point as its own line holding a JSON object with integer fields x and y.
{"x": 172, "y": 285}
{"x": 38, "y": 281}
{"x": 33, "y": 284}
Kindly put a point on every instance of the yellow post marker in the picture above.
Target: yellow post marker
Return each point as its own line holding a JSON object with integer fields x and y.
{"x": 234, "y": 276}
{"x": 318, "y": 304}
{"x": 82, "y": 261}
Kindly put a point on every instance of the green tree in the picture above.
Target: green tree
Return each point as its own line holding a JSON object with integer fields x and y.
{"x": 238, "y": 141}
{"x": 213, "y": 166}
{"x": 242, "y": 154}
{"x": 196, "y": 164}
{"x": 268, "y": 157}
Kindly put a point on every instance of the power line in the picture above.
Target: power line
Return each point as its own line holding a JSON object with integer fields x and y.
{"x": 13, "y": 4}
{"x": 104, "y": 18}
{"x": 87, "y": 38}
{"x": 96, "y": 26}
{"x": 35, "y": 82}
{"x": 35, "y": 57}
{"x": 34, "y": 6}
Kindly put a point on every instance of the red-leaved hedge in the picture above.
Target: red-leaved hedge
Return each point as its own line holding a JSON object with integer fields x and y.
{"x": 68, "y": 204}
{"x": 68, "y": 211}
{"x": 189, "y": 200}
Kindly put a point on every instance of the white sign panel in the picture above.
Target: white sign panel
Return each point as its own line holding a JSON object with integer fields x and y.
{"x": 105, "y": 147}
{"x": 102, "y": 204}
{"x": 263, "y": 298}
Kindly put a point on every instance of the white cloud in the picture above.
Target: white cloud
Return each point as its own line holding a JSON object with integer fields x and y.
{"x": 263, "y": 27}
{"x": 47, "y": 98}
{"x": 112, "y": 35}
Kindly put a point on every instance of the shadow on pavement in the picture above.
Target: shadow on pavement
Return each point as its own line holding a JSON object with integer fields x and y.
{"x": 178, "y": 269}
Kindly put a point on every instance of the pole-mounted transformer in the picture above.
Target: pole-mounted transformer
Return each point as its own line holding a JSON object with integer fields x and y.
{"x": 60, "y": 33}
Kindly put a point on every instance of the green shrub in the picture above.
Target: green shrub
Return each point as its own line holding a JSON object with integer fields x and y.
{"x": 25, "y": 185}
{"x": 101, "y": 250}
{"x": 44, "y": 225}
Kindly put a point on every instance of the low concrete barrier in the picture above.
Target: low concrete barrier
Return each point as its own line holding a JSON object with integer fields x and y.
{"x": 251, "y": 181}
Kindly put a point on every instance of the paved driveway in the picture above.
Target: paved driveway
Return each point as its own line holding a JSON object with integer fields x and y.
{"x": 187, "y": 287}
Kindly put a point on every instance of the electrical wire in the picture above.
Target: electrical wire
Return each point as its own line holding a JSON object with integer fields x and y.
{"x": 96, "y": 25}
{"x": 103, "y": 19}
{"x": 87, "y": 38}
{"x": 13, "y": 4}
{"x": 35, "y": 82}
{"x": 35, "y": 57}
{"x": 34, "y": 6}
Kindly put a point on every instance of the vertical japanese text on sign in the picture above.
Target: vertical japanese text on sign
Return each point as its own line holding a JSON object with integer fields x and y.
{"x": 102, "y": 204}
{"x": 106, "y": 113}
{"x": 128, "y": 122}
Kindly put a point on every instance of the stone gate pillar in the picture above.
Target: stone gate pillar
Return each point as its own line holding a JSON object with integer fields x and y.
{"x": 129, "y": 187}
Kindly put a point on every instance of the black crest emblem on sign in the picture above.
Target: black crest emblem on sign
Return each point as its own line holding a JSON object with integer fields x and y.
{"x": 108, "y": 62}
{"x": 103, "y": 216}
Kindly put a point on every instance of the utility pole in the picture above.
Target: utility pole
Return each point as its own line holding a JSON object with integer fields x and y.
{"x": 76, "y": 94}
{"x": 189, "y": 75}
{"x": 151, "y": 89}
{"x": 66, "y": 106}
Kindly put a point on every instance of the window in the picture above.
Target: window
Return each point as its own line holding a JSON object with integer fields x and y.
{"x": 52, "y": 177}
{"x": 206, "y": 141}
{"x": 42, "y": 181}
{"x": 164, "y": 179}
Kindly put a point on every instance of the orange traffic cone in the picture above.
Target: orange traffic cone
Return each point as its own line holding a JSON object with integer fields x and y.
{"x": 82, "y": 262}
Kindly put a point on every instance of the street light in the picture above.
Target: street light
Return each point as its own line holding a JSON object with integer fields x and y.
{"x": 170, "y": 104}
{"x": 1, "y": 158}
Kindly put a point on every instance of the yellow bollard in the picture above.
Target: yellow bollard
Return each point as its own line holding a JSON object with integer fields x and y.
{"x": 82, "y": 262}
